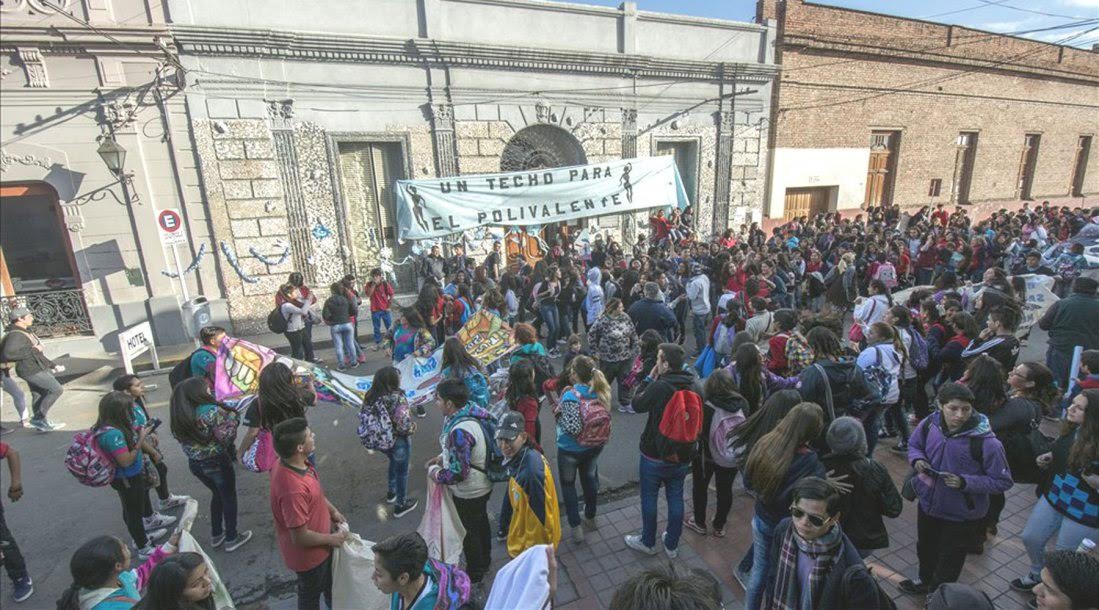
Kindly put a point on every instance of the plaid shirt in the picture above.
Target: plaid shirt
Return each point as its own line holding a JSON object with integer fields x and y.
{"x": 798, "y": 354}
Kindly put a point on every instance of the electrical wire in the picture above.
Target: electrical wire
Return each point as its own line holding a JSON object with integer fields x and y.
{"x": 1028, "y": 10}
{"x": 962, "y": 10}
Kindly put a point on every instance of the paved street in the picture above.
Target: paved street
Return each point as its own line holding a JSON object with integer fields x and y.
{"x": 57, "y": 513}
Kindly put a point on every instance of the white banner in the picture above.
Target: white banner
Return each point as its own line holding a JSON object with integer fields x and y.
{"x": 439, "y": 206}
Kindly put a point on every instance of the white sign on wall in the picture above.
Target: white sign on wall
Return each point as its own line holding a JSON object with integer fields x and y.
{"x": 136, "y": 341}
{"x": 170, "y": 225}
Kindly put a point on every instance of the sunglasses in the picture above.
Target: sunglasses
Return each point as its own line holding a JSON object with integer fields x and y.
{"x": 814, "y": 520}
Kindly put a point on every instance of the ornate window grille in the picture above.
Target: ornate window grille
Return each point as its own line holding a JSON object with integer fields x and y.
{"x": 539, "y": 147}
{"x": 57, "y": 313}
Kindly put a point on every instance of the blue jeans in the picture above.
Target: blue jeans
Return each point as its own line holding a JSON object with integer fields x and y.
{"x": 379, "y": 318}
{"x": 655, "y": 473}
{"x": 549, "y": 318}
{"x": 343, "y": 339}
{"x": 762, "y": 533}
{"x": 1059, "y": 360}
{"x": 1044, "y": 524}
{"x": 218, "y": 476}
{"x": 399, "y": 457}
{"x": 584, "y": 463}
{"x": 698, "y": 325}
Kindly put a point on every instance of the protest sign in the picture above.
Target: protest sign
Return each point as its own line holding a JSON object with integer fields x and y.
{"x": 486, "y": 337}
{"x": 1039, "y": 298}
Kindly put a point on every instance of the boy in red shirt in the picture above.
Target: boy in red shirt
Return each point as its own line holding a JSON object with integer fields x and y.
{"x": 22, "y": 587}
{"x": 380, "y": 293}
{"x": 304, "y": 518}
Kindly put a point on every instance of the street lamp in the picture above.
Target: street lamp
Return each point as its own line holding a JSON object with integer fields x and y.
{"x": 112, "y": 154}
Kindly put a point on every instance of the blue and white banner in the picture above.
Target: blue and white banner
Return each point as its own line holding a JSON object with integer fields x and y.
{"x": 439, "y": 206}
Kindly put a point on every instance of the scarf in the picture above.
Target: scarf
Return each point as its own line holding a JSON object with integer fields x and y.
{"x": 823, "y": 552}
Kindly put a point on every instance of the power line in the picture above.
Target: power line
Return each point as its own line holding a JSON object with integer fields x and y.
{"x": 1028, "y": 10}
{"x": 963, "y": 10}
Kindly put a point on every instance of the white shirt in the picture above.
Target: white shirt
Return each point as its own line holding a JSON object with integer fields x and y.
{"x": 698, "y": 293}
{"x": 890, "y": 361}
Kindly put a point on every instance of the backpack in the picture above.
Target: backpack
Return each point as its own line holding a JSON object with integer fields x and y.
{"x": 723, "y": 339}
{"x": 919, "y": 355}
{"x": 87, "y": 462}
{"x": 261, "y": 456}
{"x": 595, "y": 423}
{"x": 679, "y": 428}
{"x": 181, "y": 371}
{"x": 879, "y": 379}
{"x": 276, "y": 322}
{"x": 543, "y": 370}
{"x": 494, "y": 459}
{"x": 376, "y": 429}
{"x": 721, "y": 429}
{"x": 887, "y": 273}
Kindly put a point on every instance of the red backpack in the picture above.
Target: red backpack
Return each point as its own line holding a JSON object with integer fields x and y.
{"x": 680, "y": 427}
{"x": 595, "y": 423}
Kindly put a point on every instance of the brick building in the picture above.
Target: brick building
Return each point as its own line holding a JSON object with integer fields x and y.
{"x": 873, "y": 108}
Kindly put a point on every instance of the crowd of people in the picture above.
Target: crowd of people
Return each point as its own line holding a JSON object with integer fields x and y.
{"x": 783, "y": 358}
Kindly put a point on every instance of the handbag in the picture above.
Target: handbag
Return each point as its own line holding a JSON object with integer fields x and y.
{"x": 149, "y": 473}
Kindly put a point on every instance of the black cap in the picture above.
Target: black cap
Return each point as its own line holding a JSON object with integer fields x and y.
{"x": 511, "y": 424}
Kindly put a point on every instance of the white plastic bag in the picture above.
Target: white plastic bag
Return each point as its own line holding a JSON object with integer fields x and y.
{"x": 441, "y": 527}
{"x": 222, "y": 599}
{"x": 352, "y": 586}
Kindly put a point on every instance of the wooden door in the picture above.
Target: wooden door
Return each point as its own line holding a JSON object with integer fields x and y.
{"x": 1028, "y": 160}
{"x": 805, "y": 202}
{"x": 879, "y": 174}
{"x": 1083, "y": 150}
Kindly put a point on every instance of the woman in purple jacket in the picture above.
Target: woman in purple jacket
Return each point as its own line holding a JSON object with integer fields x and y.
{"x": 959, "y": 463}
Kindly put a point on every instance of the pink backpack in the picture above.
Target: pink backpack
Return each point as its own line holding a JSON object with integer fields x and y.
{"x": 260, "y": 457}
{"x": 87, "y": 462}
{"x": 721, "y": 446}
{"x": 595, "y": 423}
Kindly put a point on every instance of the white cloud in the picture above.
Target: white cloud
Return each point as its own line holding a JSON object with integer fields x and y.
{"x": 1084, "y": 3}
{"x": 1001, "y": 26}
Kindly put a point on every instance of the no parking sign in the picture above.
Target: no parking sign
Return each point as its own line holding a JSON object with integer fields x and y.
{"x": 170, "y": 224}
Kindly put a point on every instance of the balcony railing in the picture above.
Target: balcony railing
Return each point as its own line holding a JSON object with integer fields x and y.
{"x": 57, "y": 313}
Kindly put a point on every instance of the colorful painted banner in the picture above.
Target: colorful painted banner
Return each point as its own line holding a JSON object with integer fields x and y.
{"x": 486, "y": 337}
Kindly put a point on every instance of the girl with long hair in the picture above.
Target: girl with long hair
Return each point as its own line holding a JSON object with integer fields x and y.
{"x": 522, "y": 395}
{"x": 459, "y": 364}
{"x": 101, "y": 573}
{"x": 721, "y": 397}
{"x": 132, "y": 385}
{"x": 180, "y": 582}
{"x": 1068, "y": 506}
{"x": 834, "y": 380}
{"x": 753, "y": 380}
{"x": 588, "y": 384}
{"x": 385, "y": 395}
{"x": 779, "y": 459}
{"x": 964, "y": 330}
{"x": 430, "y": 305}
{"x": 206, "y": 430}
{"x": 896, "y": 418}
{"x": 411, "y": 336}
{"x": 280, "y": 396}
{"x": 985, "y": 378}
{"x": 119, "y": 439}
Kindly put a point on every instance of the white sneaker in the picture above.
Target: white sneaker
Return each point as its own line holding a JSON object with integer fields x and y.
{"x": 671, "y": 553}
{"x": 578, "y": 534}
{"x": 157, "y": 521}
{"x": 634, "y": 542}
{"x": 156, "y": 534}
{"x": 242, "y": 537}
{"x": 172, "y": 502}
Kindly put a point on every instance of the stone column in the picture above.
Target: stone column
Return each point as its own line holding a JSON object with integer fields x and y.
{"x": 722, "y": 170}
{"x": 442, "y": 135}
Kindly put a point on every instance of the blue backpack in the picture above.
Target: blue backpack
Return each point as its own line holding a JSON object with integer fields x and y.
{"x": 919, "y": 355}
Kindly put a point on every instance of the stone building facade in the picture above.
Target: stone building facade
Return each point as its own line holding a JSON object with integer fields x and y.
{"x": 80, "y": 245}
{"x": 302, "y": 120}
{"x": 873, "y": 108}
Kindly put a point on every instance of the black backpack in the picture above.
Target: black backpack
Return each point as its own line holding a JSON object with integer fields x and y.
{"x": 543, "y": 370}
{"x": 276, "y": 322}
{"x": 181, "y": 371}
{"x": 494, "y": 469}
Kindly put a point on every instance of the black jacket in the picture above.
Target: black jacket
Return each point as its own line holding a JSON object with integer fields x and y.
{"x": 1071, "y": 322}
{"x": 849, "y": 584}
{"x": 653, "y": 401}
{"x": 652, "y": 314}
{"x": 873, "y": 494}
{"x": 18, "y": 347}
{"x": 337, "y": 310}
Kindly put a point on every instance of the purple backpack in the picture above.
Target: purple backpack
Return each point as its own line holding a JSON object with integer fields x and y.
{"x": 87, "y": 461}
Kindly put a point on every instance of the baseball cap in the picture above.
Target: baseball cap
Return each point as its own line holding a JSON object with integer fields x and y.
{"x": 511, "y": 424}
{"x": 17, "y": 313}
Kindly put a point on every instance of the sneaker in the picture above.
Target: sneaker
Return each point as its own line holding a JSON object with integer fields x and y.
{"x": 578, "y": 534}
{"x": 22, "y": 589}
{"x": 912, "y": 587}
{"x": 671, "y": 553}
{"x": 501, "y": 536}
{"x": 899, "y": 448}
{"x": 157, "y": 521}
{"x": 25, "y": 420}
{"x": 634, "y": 542}
{"x": 626, "y": 409}
{"x": 171, "y": 502}
{"x": 241, "y": 539}
{"x": 390, "y": 497}
{"x": 886, "y": 434}
{"x": 353, "y": 365}
{"x": 362, "y": 355}
{"x": 146, "y": 552}
{"x": 5, "y": 431}
{"x": 156, "y": 534}
{"x": 45, "y": 425}
{"x": 340, "y": 367}
{"x": 216, "y": 541}
{"x": 589, "y": 524}
{"x": 719, "y": 532}
{"x": 401, "y": 510}
{"x": 1024, "y": 584}
{"x": 421, "y": 412}
{"x": 690, "y": 524}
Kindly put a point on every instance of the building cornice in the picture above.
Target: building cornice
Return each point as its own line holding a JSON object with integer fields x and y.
{"x": 310, "y": 46}
{"x": 65, "y": 40}
{"x": 877, "y": 51}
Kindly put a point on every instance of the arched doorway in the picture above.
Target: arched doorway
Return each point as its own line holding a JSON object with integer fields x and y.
{"x": 540, "y": 147}
{"x": 37, "y": 266}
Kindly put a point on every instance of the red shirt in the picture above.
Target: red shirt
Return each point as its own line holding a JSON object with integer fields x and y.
{"x": 297, "y": 500}
{"x": 4, "y": 450}
{"x": 940, "y": 216}
{"x": 381, "y": 295}
{"x": 777, "y": 353}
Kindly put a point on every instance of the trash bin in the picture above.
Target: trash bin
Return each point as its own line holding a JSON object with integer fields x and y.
{"x": 196, "y": 314}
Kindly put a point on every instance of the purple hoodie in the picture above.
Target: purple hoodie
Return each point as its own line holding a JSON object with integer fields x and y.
{"x": 950, "y": 453}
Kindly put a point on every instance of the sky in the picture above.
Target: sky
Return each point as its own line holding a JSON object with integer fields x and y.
{"x": 1073, "y": 20}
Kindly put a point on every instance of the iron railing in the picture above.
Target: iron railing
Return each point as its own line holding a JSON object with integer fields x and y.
{"x": 57, "y": 313}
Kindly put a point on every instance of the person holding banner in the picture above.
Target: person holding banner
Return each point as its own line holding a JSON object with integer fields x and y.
{"x": 458, "y": 364}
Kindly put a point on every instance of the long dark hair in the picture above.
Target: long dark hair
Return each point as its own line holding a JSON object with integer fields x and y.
{"x": 749, "y": 367}
{"x": 769, "y": 460}
{"x": 386, "y": 381}
{"x": 123, "y": 383}
{"x": 413, "y": 318}
{"x": 116, "y": 410}
{"x": 985, "y": 378}
{"x": 1085, "y": 449}
{"x": 1044, "y": 390}
{"x": 91, "y": 565}
{"x": 764, "y": 420}
{"x": 521, "y": 382}
{"x": 458, "y": 359}
{"x": 280, "y": 398}
{"x": 186, "y": 397}
{"x": 168, "y": 580}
